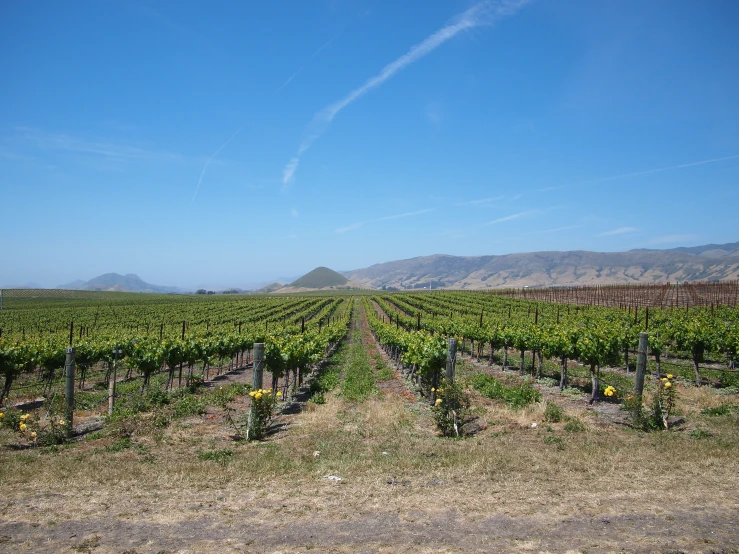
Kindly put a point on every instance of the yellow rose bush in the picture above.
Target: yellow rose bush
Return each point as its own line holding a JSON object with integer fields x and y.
{"x": 263, "y": 403}
{"x": 450, "y": 408}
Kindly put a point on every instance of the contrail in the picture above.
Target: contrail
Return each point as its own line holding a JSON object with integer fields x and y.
{"x": 359, "y": 224}
{"x": 213, "y": 157}
{"x": 480, "y": 14}
{"x": 638, "y": 173}
{"x": 324, "y": 45}
{"x": 509, "y": 217}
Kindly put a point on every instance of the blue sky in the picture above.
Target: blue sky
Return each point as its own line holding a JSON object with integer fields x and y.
{"x": 231, "y": 143}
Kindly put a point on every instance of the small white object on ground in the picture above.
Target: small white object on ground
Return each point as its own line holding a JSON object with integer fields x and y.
{"x": 533, "y": 425}
{"x": 386, "y": 453}
{"x": 316, "y": 453}
{"x": 332, "y": 478}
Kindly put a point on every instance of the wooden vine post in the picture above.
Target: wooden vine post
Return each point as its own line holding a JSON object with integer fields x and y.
{"x": 451, "y": 359}
{"x": 111, "y": 383}
{"x": 641, "y": 369}
{"x": 69, "y": 390}
{"x": 256, "y": 382}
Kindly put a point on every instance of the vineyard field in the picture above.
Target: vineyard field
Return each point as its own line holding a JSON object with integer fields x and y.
{"x": 357, "y": 432}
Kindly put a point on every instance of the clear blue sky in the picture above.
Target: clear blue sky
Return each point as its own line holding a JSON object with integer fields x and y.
{"x": 228, "y": 143}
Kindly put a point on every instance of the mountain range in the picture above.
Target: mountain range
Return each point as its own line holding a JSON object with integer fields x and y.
{"x": 120, "y": 283}
{"x": 710, "y": 262}
{"x": 700, "y": 263}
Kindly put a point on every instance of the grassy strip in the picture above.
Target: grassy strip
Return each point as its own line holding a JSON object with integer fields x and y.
{"x": 329, "y": 376}
{"x": 359, "y": 376}
{"x": 516, "y": 397}
{"x": 384, "y": 372}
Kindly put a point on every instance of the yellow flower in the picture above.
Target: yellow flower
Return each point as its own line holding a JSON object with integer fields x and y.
{"x": 664, "y": 379}
{"x": 438, "y": 401}
{"x": 669, "y": 375}
{"x": 668, "y": 385}
{"x": 33, "y": 435}
{"x": 252, "y": 393}
{"x": 433, "y": 389}
{"x": 61, "y": 422}
{"x": 23, "y": 426}
{"x": 258, "y": 396}
{"x": 24, "y": 417}
{"x": 279, "y": 394}
{"x": 2, "y": 415}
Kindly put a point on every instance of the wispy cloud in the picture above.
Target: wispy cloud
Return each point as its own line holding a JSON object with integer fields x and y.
{"x": 480, "y": 201}
{"x": 351, "y": 227}
{"x": 639, "y": 173}
{"x": 407, "y": 214}
{"x": 359, "y": 224}
{"x": 482, "y": 13}
{"x": 290, "y": 169}
{"x": 555, "y": 230}
{"x": 208, "y": 162}
{"x": 511, "y": 217}
{"x": 324, "y": 45}
{"x": 619, "y": 231}
{"x": 110, "y": 150}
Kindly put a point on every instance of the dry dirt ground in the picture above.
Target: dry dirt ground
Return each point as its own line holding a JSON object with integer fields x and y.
{"x": 512, "y": 488}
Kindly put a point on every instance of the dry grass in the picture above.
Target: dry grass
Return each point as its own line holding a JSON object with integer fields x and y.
{"x": 397, "y": 476}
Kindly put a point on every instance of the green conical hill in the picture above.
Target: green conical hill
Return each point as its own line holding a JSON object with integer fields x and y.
{"x": 319, "y": 278}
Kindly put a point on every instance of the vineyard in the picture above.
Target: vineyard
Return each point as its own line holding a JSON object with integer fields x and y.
{"x": 367, "y": 386}
{"x": 180, "y": 340}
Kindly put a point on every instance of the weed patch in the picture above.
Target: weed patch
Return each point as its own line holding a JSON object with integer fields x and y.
{"x": 516, "y": 397}
{"x": 221, "y": 456}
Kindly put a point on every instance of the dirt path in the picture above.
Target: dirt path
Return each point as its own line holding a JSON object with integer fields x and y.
{"x": 418, "y": 531}
{"x": 396, "y": 384}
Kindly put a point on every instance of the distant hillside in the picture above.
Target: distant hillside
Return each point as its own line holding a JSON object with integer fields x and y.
{"x": 120, "y": 283}
{"x": 319, "y": 278}
{"x": 552, "y": 268}
{"x": 272, "y": 287}
{"x": 707, "y": 250}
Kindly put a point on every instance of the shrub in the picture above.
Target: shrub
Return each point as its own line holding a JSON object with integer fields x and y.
{"x": 450, "y": 409}
{"x": 156, "y": 397}
{"x": 553, "y": 413}
{"x": 318, "y": 398}
{"x": 574, "y": 426}
{"x": 189, "y": 406}
{"x": 195, "y": 383}
{"x": 554, "y": 440}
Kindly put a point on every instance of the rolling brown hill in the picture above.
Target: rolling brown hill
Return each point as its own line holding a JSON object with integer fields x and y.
{"x": 712, "y": 262}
